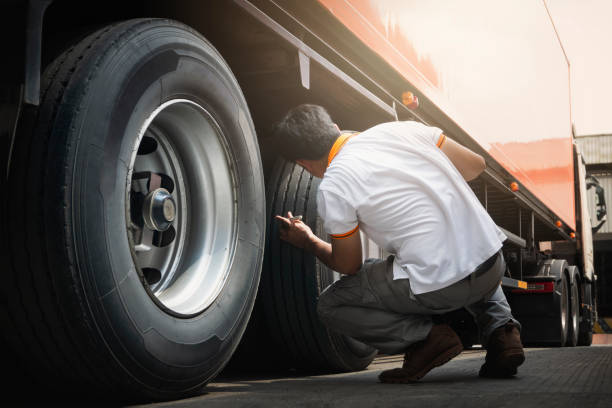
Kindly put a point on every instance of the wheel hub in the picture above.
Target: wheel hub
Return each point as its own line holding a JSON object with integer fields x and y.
{"x": 181, "y": 203}
{"x": 159, "y": 210}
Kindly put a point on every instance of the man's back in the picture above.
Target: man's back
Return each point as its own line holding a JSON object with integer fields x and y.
{"x": 408, "y": 197}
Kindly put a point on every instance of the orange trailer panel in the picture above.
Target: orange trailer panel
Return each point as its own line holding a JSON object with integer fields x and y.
{"x": 496, "y": 68}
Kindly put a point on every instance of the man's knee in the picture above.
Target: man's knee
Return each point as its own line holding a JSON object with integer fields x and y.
{"x": 344, "y": 292}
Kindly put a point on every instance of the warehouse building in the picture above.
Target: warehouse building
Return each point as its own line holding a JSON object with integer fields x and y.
{"x": 597, "y": 153}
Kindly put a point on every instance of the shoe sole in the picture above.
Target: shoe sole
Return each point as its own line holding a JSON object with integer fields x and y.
{"x": 442, "y": 359}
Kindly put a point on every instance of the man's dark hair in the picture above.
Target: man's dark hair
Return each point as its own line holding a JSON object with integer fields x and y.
{"x": 306, "y": 132}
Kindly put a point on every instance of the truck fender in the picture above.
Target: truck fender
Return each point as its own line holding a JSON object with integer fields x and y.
{"x": 552, "y": 268}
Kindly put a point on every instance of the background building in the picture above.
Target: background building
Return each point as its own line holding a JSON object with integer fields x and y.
{"x": 597, "y": 153}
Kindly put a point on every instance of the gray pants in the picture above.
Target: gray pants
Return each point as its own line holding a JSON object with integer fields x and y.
{"x": 384, "y": 313}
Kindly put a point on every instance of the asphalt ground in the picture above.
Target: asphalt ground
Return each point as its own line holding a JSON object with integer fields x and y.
{"x": 555, "y": 377}
{"x": 550, "y": 377}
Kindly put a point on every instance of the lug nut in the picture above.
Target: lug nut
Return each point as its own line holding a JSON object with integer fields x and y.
{"x": 159, "y": 210}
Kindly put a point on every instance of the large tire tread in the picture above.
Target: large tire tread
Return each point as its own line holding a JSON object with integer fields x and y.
{"x": 42, "y": 326}
{"x": 302, "y": 324}
{"x": 277, "y": 306}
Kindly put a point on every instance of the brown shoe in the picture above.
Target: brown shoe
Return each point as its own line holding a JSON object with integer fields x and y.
{"x": 441, "y": 345}
{"x": 504, "y": 353}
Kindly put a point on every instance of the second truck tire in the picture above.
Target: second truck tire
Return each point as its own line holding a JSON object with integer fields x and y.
{"x": 137, "y": 216}
{"x": 285, "y": 331}
{"x": 574, "y": 308}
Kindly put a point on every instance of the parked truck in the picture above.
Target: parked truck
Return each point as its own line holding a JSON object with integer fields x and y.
{"x": 140, "y": 186}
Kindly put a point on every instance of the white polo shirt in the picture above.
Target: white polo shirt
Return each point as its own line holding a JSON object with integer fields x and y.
{"x": 395, "y": 184}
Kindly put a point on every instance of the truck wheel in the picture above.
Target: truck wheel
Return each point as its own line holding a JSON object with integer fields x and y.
{"x": 286, "y": 319}
{"x": 585, "y": 335}
{"x": 574, "y": 309}
{"x": 562, "y": 300}
{"x": 137, "y": 216}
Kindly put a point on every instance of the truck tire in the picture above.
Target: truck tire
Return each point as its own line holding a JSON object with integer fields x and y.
{"x": 574, "y": 308}
{"x": 285, "y": 331}
{"x": 545, "y": 316}
{"x": 137, "y": 217}
{"x": 585, "y": 335}
{"x": 562, "y": 297}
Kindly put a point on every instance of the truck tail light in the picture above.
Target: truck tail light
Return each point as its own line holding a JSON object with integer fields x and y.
{"x": 537, "y": 287}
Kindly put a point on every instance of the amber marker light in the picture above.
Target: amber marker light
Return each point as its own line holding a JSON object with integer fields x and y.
{"x": 410, "y": 100}
{"x": 572, "y": 235}
{"x": 558, "y": 223}
{"x": 514, "y": 186}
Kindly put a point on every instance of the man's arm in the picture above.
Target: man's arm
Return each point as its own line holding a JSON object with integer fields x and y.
{"x": 342, "y": 255}
{"x": 469, "y": 164}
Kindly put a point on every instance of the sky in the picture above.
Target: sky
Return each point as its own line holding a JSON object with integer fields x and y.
{"x": 585, "y": 29}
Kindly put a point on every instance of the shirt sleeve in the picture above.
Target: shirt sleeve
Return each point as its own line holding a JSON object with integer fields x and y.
{"x": 339, "y": 217}
{"x": 429, "y": 134}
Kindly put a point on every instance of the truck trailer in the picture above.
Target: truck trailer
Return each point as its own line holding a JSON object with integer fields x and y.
{"x": 140, "y": 250}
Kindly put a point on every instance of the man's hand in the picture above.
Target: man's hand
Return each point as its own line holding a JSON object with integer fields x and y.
{"x": 342, "y": 255}
{"x": 294, "y": 231}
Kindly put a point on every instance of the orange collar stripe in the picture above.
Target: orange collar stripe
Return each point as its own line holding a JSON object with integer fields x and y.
{"x": 338, "y": 144}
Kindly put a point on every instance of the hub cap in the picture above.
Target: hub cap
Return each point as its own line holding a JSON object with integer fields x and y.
{"x": 158, "y": 210}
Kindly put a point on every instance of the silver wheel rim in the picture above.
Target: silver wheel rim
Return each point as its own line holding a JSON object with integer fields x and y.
{"x": 180, "y": 156}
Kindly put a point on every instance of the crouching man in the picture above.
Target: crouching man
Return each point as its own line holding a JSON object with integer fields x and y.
{"x": 404, "y": 185}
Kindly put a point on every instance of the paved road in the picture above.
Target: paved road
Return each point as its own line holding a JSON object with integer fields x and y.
{"x": 566, "y": 377}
